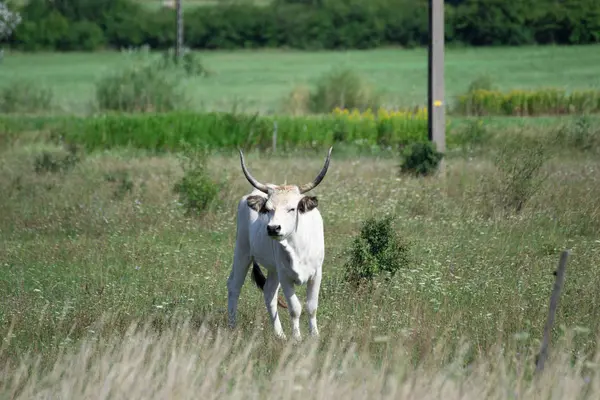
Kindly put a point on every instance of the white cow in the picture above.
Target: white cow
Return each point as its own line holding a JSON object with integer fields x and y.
{"x": 280, "y": 228}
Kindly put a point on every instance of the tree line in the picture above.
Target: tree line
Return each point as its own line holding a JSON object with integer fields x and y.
{"x": 88, "y": 25}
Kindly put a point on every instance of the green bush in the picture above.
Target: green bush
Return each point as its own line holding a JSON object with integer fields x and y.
{"x": 420, "y": 159}
{"x": 520, "y": 161}
{"x": 84, "y": 35}
{"x": 24, "y": 96}
{"x": 473, "y": 134}
{"x": 376, "y": 251}
{"x": 342, "y": 88}
{"x": 483, "y": 82}
{"x": 581, "y": 135}
{"x": 197, "y": 190}
{"x": 190, "y": 62}
{"x": 61, "y": 160}
{"x": 142, "y": 86}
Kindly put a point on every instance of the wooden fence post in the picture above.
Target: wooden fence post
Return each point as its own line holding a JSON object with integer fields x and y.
{"x": 558, "y": 284}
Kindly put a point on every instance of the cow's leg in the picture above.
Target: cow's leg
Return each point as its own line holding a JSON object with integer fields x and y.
{"x": 270, "y": 292}
{"x": 239, "y": 270}
{"x": 312, "y": 301}
{"x": 294, "y": 306}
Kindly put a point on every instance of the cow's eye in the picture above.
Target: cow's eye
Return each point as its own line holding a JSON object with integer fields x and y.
{"x": 291, "y": 210}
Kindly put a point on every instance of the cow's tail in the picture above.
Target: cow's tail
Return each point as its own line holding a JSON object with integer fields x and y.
{"x": 260, "y": 279}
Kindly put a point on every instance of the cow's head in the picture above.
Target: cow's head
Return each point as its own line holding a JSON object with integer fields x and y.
{"x": 284, "y": 203}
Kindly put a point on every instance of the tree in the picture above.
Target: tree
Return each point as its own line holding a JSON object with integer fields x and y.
{"x": 8, "y": 21}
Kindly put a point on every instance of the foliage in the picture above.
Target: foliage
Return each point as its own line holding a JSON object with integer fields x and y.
{"x": 473, "y": 134}
{"x": 482, "y": 82}
{"x": 228, "y": 131}
{"x": 545, "y": 101}
{"x": 24, "y": 96}
{"x": 57, "y": 161}
{"x": 386, "y": 128}
{"x": 9, "y": 20}
{"x": 376, "y": 251}
{"x": 142, "y": 86}
{"x": 197, "y": 190}
{"x": 331, "y": 24}
{"x": 421, "y": 159}
{"x": 581, "y": 134}
{"x": 520, "y": 161}
{"x": 342, "y": 88}
{"x": 190, "y": 62}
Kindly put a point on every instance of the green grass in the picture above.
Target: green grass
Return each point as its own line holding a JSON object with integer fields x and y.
{"x": 260, "y": 80}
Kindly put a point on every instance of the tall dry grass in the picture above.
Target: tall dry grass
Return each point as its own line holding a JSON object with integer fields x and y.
{"x": 184, "y": 362}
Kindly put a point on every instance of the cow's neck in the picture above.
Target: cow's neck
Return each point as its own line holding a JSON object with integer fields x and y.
{"x": 293, "y": 244}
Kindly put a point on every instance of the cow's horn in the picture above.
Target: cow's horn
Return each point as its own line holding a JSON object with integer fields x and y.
{"x": 310, "y": 186}
{"x": 253, "y": 182}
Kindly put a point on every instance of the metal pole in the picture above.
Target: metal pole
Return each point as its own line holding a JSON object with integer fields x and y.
{"x": 435, "y": 96}
{"x": 179, "y": 45}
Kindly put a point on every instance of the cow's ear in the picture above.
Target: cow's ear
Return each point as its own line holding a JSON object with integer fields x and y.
{"x": 257, "y": 203}
{"x": 307, "y": 203}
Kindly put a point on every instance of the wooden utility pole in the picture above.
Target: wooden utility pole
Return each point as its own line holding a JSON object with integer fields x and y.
{"x": 435, "y": 96}
{"x": 179, "y": 45}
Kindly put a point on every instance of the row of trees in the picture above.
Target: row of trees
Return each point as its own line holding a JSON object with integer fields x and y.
{"x": 303, "y": 24}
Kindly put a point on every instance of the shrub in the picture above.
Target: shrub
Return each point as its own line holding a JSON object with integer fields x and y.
{"x": 420, "y": 159}
{"x": 580, "y": 135}
{"x": 142, "y": 86}
{"x": 84, "y": 35}
{"x": 473, "y": 134}
{"x": 190, "y": 63}
{"x": 520, "y": 161}
{"x": 9, "y": 20}
{"x": 197, "y": 190}
{"x": 24, "y": 96}
{"x": 342, "y": 88}
{"x": 483, "y": 82}
{"x": 57, "y": 161}
{"x": 376, "y": 251}
{"x": 296, "y": 103}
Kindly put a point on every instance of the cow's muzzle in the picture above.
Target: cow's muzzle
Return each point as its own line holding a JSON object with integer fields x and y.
{"x": 274, "y": 230}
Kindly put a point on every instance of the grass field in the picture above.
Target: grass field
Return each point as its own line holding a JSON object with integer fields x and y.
{"x": 94, "y": 244}
{"x": 260, "y": 80}
{"x": 88, "y": 251}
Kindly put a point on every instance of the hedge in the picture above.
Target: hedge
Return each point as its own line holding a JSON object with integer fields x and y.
{"x": 315, "y": 24}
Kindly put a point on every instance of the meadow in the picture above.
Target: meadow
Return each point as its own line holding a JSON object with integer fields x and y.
{"x": 112, "y": 288}
{"x": 258, "y": 81}
{"x": 92, "y": 248}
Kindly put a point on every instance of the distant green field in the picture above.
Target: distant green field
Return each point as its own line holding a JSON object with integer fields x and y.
{"x": 259, "y": 80}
